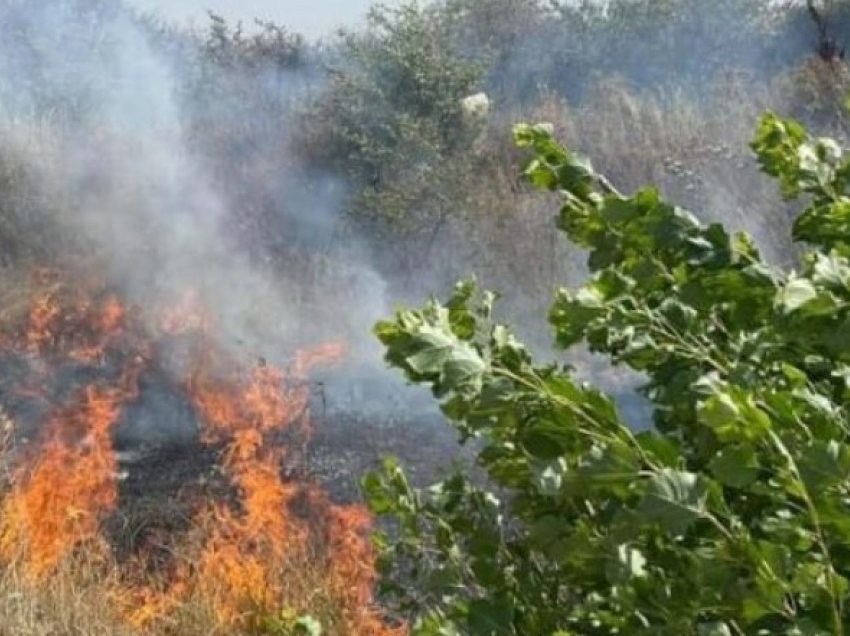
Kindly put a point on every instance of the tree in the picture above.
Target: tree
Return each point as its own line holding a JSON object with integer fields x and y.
{"x": 392, "y": 123}
{"x": 731, "y": 515}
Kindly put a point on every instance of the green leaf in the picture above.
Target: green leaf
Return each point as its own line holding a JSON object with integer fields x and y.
{"x": 831, "y": 271}
{"x": 629, "y": 563}
{"x": 380, "y": 503}
{"x": 662, "y": 449}
{"x": 796, "y": 294}
{"x": 733, "y": 416}
{"x": 825, "y": 464}
{"x": 549, "y": 436}
{"x": 713, "y": 629}
{"x": 675, "y": 499}
{"x": 735, "y": 466}
{"x": 612, "y": 467}
{"x": 731, "y": 515}
{"x": 490, "y": 616}
{"x": 550, "y": 477}
{"x": 573, "y": 314}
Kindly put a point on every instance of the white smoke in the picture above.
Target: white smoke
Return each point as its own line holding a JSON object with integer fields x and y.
{"x": 92, "y": 108}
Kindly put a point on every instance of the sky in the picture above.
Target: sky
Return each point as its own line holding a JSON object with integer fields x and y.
{"x": 311, "y": 17}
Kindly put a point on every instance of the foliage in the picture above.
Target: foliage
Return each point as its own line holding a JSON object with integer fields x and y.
{"x": 244, "y": 75}
{"x": 730, "y": 515}
{"x": 271, "y": 45}
{"x": 288, "y": 623}
{"x": 392, "y": 119}
{"x": 244, "y": 82}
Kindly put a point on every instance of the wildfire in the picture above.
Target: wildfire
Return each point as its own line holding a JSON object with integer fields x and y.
{"x": 242, "y": 553}
{"x": 47, "y": 516}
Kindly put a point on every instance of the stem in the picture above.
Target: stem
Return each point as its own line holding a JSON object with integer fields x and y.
{"x": 593, "y": 432}
{"x": 837, "y": 602}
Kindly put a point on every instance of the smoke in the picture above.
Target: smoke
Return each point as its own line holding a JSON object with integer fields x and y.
{"x": 99, "y": 114}
{"x": 170, "y": 177}
{"x": 175, "y": 164}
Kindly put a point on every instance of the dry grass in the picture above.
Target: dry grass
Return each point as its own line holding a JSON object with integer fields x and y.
{"x": 71, "y": 602}
{"x": 79, "y": 600}
{"x": 694, "y": 147}
{"x": 92, "y": 596}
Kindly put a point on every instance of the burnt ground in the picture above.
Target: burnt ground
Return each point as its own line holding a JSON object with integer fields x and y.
{"x": 363, "y": 415}
{"x": 357, "y": 417}
{"x": 342, "y": 448}
{"x": 162, "y": 485}
{"x": 347, "y": 446}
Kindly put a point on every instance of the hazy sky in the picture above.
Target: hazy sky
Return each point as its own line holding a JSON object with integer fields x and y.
{"x": 310, "y": 17}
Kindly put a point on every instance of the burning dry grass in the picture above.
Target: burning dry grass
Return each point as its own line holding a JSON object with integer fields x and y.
{"x": 245, "y": 558}
{"x": 78, "y": 599}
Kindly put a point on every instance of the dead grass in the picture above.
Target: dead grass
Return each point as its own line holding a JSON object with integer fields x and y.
{"x": 694, "y": 147}
{"x": 90, "y": 596}
{"x": 70, "y": 602}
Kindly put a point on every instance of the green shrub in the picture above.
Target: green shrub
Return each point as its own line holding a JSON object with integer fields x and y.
{"x": 391, "y": 121}
{"x": 731, "y": 514}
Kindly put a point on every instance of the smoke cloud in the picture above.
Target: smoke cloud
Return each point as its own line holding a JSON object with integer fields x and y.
{"x": 118, "y": 157}
{"x": 96, "y": 116}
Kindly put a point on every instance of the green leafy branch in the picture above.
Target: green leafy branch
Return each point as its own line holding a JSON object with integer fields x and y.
{"x": 731, "y": 515}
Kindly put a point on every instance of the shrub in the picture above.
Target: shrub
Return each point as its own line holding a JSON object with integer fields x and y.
{"x": 730, "y": 514}
{"x": 391, "y": 122}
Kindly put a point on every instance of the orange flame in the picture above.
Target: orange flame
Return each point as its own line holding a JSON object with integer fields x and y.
{"x": 241, "y": 555}
{"x": 42, "y": 317}
{"x": 58, "y": 503}
{"x": 238, "y": 565}
{"x": 81, "y": 332}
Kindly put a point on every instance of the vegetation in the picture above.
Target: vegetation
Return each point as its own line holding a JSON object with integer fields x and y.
{"x": 724, "y": 515}
{"x": 392, "y": 123}
{"x": 728, "y": 515}
{"x": 367, "y": 132}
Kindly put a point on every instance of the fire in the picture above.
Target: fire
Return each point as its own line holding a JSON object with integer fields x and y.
{"x": 60, "y": 497}
{"x": 243, "y": 554}
{"x": 48, "y": 517}
{"x": 42, "y": 316}
{"x": 247, "y": 551}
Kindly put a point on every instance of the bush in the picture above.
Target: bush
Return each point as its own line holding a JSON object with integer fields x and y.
{"x": 730, "y": 514}
{"x": 391, "y": 122}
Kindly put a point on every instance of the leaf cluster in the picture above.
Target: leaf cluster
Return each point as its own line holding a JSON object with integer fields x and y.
{"x": 731, "y": 514}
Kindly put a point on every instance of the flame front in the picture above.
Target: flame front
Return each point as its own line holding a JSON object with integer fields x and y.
{"x": 61, "y": 495}
{"x": 47, "y": 516}
{"x": 243, "y": 556}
